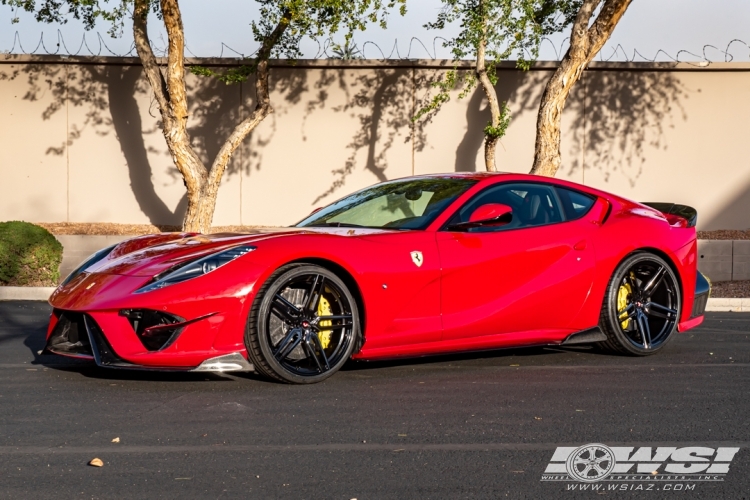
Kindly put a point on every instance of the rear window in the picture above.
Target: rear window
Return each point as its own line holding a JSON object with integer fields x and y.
{"x": 575, "y": 203}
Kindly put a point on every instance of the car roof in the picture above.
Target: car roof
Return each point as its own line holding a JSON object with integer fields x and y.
{"x": 488, "y": 177}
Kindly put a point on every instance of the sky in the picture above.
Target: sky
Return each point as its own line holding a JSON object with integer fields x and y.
{"x": 663, "y": 30}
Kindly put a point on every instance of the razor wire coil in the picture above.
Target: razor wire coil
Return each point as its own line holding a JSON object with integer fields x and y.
{"x": 372, "y": 50}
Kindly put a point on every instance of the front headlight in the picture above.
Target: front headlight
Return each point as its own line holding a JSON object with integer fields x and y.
{"x": 88, "y": 263}
{"x": 195, "y": 268}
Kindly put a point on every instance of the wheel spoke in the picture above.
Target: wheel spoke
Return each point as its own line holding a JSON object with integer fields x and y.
{"x": 657, "y": 314}
{"x": 313, "y": 296}
{"x": 627, "y": 308}
{"x": 331, "y": 318}
{"x": 632, "y": 315}
{"x": 288, "y": 344}
{"x": 635, "y": 288}
{"x": 285, "y": 310}
{"x": 661, "y": 311}
{"x": 654, "y": 282}
{"x": 642, "y": 325}
{"x": 319, "y": 345}
{"x": 310, "y": 351}
{"x": 631, "y": 312}
{"x": 334, "y": 327}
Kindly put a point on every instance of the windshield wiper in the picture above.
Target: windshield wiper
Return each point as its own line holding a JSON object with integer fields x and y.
{"x": 336, "y": 224}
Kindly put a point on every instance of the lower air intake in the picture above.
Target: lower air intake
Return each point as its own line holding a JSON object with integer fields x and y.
{"x": 69, "y": 336}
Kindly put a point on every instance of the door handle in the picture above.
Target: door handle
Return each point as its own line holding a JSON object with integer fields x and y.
{"x": 581, "y": 245}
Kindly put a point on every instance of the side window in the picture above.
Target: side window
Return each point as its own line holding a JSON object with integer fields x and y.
{"x": 575, "y": 203}
{"x": 532, "y": 204}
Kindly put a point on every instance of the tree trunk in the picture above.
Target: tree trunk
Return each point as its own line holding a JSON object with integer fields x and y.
{"x": 490, "y": 140}
{"x": 585, "y": 43}
{"x": 202, "y": 184}
{"x": 172, "y": 100}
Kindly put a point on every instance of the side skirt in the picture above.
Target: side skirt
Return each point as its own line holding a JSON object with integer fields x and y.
{"x": 585, "y": 337}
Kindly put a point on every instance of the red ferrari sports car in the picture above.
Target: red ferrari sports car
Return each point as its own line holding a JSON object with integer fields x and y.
{"x": 411, "y": 267}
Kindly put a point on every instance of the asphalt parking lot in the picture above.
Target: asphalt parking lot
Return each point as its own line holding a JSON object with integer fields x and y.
{"x": 471, "y": 426}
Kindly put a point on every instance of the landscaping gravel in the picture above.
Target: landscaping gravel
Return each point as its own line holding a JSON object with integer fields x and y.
{"x": 724, "y": 234}
{"x": 107, "y": 229}
{"x": 730, "y": 289}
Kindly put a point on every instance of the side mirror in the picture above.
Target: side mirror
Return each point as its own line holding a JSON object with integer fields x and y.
{"x": 489, "y": 214}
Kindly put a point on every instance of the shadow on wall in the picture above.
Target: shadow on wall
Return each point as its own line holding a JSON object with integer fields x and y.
{"x": 113, "y": 99}
{"x": 217, "y": 108}
{"x": 521, "y": 90}
{"x": 382, "y": 101}
{"x": 734, "y": 213}
{"x": 109, "y": 96}
{"x": 122, "y": 84}
{"x": 621, "y": 115}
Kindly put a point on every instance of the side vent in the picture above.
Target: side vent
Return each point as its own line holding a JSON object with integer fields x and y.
{"x": 155, "y": 329}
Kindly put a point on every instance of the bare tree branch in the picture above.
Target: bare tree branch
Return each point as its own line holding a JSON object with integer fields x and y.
{"x": 150, "y": 66}
{"x": 175, "y": 61}
{"x": 263, "y": 108}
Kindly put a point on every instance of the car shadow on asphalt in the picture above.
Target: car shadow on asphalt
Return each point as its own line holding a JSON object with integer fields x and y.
{"x": 35, "y": 342}
{"x": 538, "y": 352}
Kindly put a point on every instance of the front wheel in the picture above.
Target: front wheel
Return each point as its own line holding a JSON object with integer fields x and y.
{"x": 303, "y": 325}
{"x": 642, "y": 306}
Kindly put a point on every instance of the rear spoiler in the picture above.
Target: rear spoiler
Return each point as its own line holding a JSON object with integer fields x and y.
{"x": 688, "y": 213}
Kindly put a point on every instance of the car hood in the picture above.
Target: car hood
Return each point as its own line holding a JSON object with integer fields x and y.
{"x": 154, "y": 254}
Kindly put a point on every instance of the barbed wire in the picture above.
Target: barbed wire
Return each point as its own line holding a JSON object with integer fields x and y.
{"x": 327, "y": 50}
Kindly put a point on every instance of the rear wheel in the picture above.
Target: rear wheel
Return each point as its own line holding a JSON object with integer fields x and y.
{"x": 641, "y": 307}
{"x": 302, "y": 325}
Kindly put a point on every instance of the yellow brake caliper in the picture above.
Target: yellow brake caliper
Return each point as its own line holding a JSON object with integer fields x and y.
{"x": 324, "y": 309}
{"x": 622, "y": 302}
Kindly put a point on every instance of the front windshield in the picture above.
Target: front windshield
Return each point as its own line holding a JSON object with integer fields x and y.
{"x": 403, "y": 204}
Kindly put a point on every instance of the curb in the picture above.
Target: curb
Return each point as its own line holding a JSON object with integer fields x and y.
{"x": 43, "y": 293}
{"x": 26, "y": 292}
{"x": 734, "y": 305}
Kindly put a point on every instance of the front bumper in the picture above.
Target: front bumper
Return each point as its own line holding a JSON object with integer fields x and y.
{"x": 175, "y": 328}
{"x": 78, "y": 335}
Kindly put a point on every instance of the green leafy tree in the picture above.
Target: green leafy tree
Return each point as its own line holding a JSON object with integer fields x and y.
{"x": 492, "y": 31}
{"x": 281, "y": 27}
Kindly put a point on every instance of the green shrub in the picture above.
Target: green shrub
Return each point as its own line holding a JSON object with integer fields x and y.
{"x": 29, "y": 255}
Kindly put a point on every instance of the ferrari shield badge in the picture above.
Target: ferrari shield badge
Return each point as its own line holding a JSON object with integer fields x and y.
{"x": 416, "y": 257}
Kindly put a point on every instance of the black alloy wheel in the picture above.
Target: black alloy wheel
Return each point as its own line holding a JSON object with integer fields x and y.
{"x": 303, "y": 325}
{"x": 642, "y": 306}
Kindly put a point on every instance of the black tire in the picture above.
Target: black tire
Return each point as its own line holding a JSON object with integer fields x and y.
{"x": 642, "y": 306}
{"x": 288, "y": 339}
